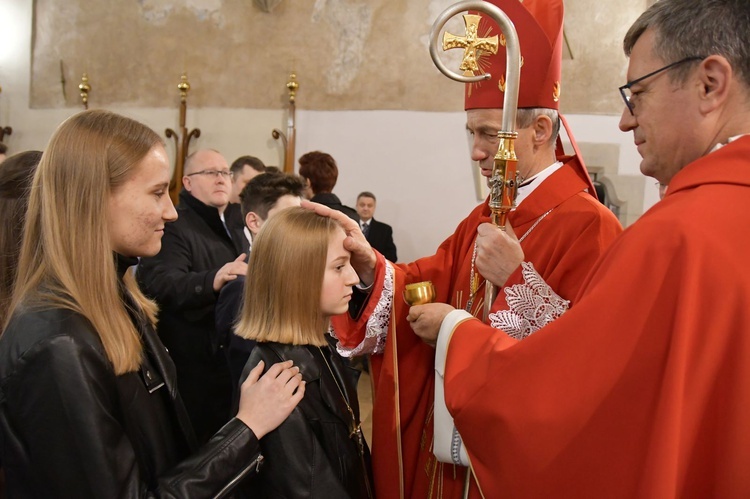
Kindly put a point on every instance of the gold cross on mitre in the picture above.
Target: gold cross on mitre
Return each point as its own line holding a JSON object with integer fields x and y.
{"x": 470, "y": 43}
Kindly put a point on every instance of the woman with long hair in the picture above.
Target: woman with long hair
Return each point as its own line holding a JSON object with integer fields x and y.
{"x": 16, "y": 173}
{"x": 298, "y": 277}
{"x": 88, "y": 399}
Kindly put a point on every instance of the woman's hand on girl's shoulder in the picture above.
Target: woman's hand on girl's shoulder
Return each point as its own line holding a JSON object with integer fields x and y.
{"x": 266, "y": 401}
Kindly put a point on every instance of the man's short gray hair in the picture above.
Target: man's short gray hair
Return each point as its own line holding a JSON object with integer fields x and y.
{"x": 690, "y": 28}
{"x": 526, "y": 116}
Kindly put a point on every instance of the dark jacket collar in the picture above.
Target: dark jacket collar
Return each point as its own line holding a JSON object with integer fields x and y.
{"x": 326, "y": 197}
{"x": 208, "y": 214}
{"x": 123, "y": 263}
{"x": 198, "y": 206}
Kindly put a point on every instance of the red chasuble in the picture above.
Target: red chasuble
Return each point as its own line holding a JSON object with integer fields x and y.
{"x": 643, "y": 388}
{"x": 563, "y": 247}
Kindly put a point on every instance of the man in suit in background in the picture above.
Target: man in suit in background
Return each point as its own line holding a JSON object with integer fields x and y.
{"x": 378, "y": 234}
{"x": 244, "y": 169}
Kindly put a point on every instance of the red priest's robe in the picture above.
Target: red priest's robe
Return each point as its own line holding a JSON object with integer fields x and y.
{"x": 643, "y": 388}
{"x": 563, "y": 248}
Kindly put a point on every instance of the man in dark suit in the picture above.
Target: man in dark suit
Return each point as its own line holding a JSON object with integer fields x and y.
{"x": 199, "y": 256}
{"x": 378, "y": 234}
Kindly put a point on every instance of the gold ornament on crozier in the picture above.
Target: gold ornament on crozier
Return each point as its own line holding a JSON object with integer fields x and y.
{"x": 471, "y": 43}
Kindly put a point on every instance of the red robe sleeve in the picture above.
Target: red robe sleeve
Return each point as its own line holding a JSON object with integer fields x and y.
{"x": 640, "y": 390}
{"x": 564, "y": 245}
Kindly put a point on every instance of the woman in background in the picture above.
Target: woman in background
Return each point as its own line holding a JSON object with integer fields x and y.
{"x": 16, "y": 173}
{"x": 88, "y": 399}
{"x": 298, "y": 277}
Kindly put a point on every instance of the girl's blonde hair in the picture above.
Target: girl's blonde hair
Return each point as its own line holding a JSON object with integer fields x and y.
{"x": 284, "y": 279}
{"x": 66, "y": 257}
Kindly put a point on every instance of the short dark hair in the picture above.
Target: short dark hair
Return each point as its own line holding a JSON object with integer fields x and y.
{"x": 697, "y": 28}
{"x": 366, "y": 194}
{"x": 251, "y": 161}
{"x": 320, "y": 169}
{"x": 262, "y": 192}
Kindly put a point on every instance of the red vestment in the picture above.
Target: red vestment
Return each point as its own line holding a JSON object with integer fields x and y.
{"x": 643, "y": 388}
{"x": 563, "y": 248}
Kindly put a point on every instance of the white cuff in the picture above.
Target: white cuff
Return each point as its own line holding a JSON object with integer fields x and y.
{"x": 448, "y": 446}
{"x": 376, "y": 329}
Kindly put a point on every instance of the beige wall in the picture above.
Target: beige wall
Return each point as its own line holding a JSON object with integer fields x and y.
{"x": 349, "y": 54}
{"x": 595, "y": 30}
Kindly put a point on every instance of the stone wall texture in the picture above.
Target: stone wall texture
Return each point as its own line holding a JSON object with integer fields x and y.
{"x": 347, "y": 54}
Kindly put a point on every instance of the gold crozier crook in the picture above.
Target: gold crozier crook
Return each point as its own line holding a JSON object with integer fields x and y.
{"x": 503, "y": 181}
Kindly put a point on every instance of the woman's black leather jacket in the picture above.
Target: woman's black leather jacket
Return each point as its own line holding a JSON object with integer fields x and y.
{"x": 70, "y": 427}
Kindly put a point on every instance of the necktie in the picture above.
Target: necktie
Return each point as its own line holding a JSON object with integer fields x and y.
{"x": 366, "y": 228}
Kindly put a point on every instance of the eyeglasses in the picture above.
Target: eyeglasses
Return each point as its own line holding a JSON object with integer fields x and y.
{"x": 226, "y": 174}
{"x": 627, "y": 94}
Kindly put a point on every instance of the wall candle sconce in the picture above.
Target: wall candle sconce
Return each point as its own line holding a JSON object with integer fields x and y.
{"x": 181, "y": 141}
{"x": 84, "y": 88}
{"x": 288, "y": 140}
{"x": 4, "y": 130}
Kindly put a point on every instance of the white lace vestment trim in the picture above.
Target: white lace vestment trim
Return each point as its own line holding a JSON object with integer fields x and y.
{"x": 376, "y": 328}
{"x": 532, "y": 305}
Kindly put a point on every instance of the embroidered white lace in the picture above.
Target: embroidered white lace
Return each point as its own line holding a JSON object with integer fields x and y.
{"x": 376, "y": 329}
{"x": 533, "y": 304}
